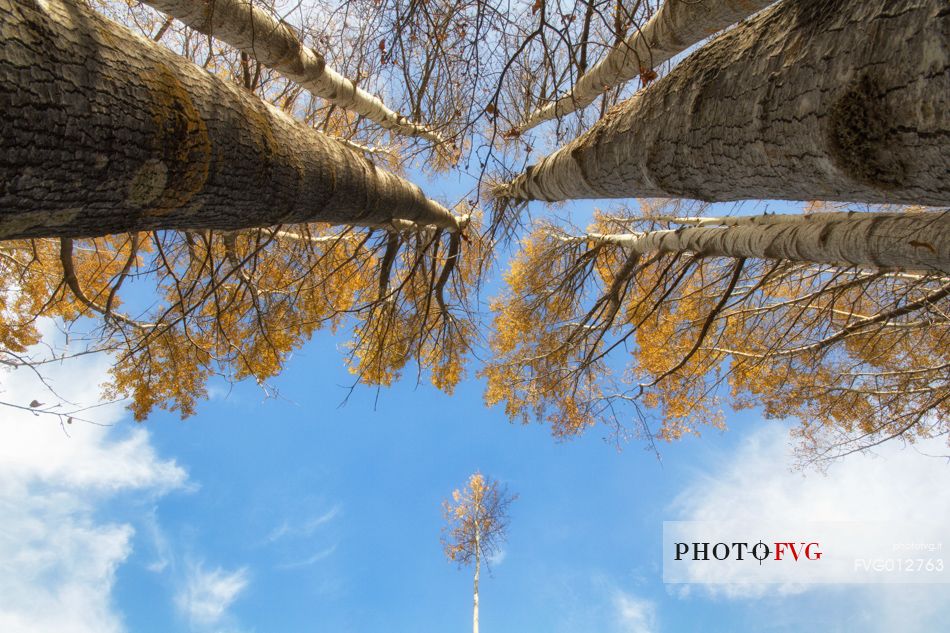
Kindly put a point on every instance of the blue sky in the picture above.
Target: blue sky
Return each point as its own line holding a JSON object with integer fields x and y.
{"x": 294, "y": 514}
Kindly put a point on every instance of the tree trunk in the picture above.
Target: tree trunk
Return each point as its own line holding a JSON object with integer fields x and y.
{"x": 675, "y": 27}
{"x": 809, "y": 100}
{"x": 477, "y": 565}
{"x": 911, "y": 242}
{"x": 275, "y": 45}
{"x": 107, "y": 132}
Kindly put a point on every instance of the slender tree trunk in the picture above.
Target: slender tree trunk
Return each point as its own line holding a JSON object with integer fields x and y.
{"x": 107, "y": 132}
{"x": 675, "y": 27}
{"x": 478, "y": 555}
{"x": 808, "y": 100}
{"x": 911, "y": 242}
{"x": 274, "y": 44}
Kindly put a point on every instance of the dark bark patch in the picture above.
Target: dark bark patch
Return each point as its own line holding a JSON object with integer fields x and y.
{"x": 811, "y": 17}
{"x": 268, "y": 150}
{"x": 180, "y": 145}
{"x": 861, "y": 138}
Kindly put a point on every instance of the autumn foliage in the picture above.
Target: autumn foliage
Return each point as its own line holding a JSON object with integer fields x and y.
{"x": 476, "y": 520}
{"x": 238, "y": 305}
{"x": 588, "y": 331}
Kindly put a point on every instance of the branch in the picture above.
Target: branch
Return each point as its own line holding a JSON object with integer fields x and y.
{"x": 275, "y": 44}
{"x": 72, "y": 282}
{"x": 736, "y": 272}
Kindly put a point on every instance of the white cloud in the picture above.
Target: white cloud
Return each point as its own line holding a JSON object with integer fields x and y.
{"x": 207, "y": 594}
{"x": 634, "y": 615}
{"x": 58, "y": 566}
{"x": 898, "y": 483}
{"x": 57, "y": 557}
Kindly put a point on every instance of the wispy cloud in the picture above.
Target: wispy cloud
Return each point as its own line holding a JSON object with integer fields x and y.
{"x": 497, "y": 557}
{"x": 162, "y": 549}
{"x": 298, "y": 539}
{"x": 304, "y": 528}
{"x": 634, "y": 614}
{"x": 306, "y": 562}
{"x": 592, "y": 600}
{"x": 206, "y": 595}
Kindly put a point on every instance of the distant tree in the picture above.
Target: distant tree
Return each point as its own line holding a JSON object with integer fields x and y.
{"x": 477, "y": 519}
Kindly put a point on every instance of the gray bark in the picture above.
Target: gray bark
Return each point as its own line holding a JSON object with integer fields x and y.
{"x": 809, "y": 100}
{"x": 675, "y": 27}
{"x": 274, "y": 44}
{"x": 910, "y": 242}
{"x": 107, "y": 132}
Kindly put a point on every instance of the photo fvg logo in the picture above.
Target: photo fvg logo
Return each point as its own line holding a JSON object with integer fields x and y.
{"x": 760, "y": 551}
{"x": 724, "y": 552}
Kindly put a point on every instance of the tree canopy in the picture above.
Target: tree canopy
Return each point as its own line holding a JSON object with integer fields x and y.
{"x": 270, "y": 197}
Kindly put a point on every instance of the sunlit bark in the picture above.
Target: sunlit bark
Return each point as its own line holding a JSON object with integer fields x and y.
{"x": 809, "y": 100}
{"x": 913, "y": 242}
{"x": 107, "y": 132}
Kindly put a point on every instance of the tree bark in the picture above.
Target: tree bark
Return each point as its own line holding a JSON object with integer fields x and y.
{"x": 675, "y": 27}
{"x": 478, "y": 555}
{"x": 911, "y": 242}
{"x": 274, "y": 44}
{"x": 107, "y": 132}
{"x": 809, "y": 100}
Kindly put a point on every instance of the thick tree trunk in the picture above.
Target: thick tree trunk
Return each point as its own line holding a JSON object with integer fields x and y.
{"x": 808, "y": 100}
{"x": 675, "y": 27}
{"x": 911, "y": 242}
{"x": 274, "y": 44}
{"x": 106, "y": 132}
